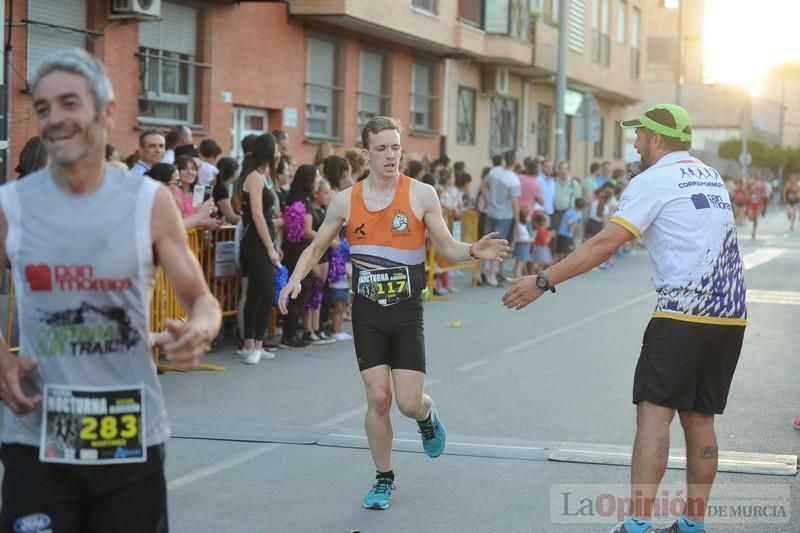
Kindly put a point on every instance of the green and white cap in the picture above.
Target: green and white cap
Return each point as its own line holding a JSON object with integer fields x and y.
{"x": 669, "y": 120}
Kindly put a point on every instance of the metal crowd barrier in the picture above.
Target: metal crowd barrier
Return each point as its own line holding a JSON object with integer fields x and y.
{"x": 464, "y": 228}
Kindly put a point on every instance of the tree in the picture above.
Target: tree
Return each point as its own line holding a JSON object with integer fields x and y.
{"x": 764, "y": 155}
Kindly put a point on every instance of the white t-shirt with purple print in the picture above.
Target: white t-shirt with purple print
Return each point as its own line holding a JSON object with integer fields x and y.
{"x": 681, "y": 210}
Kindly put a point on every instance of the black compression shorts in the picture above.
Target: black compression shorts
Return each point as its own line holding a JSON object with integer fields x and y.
{"x": 389, "y": 335}
{"x": 687, "y": 366}
{"x": 121, "y": 498}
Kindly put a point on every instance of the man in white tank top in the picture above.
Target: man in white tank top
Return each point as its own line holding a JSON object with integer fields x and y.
{"x": 84, "y": 423}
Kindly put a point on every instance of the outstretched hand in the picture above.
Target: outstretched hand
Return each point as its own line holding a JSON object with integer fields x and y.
{"x": 522, "y": 292}
{"x": 187, "y": 344}
{"x": 490, "y": 248}
{"x": 290, "y": 292}
{"x": 12, "y": 373}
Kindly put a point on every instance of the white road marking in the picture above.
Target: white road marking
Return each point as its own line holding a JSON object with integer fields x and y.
{"x": 470, "y": 366}
{"x": 230, "y": 462}
{"x": 761, "y": 256}
{"x": 450, "y": 442}
{"x": 341, "y": 417}
{"x": 773, "y": 297}
{"x": 573, "y": 325}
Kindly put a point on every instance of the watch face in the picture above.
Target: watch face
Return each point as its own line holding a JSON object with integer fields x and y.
{"x": 542, "y": 282}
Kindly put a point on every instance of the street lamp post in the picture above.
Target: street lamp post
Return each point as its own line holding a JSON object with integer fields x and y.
{"x": 561, "y": 83}
{"x": 678, "y": 4}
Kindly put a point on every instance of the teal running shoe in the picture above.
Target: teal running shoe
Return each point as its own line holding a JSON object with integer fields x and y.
{"x": 674, "y": 528}
{"x": 380, "y": 493}
{"x": 433, "y": 434}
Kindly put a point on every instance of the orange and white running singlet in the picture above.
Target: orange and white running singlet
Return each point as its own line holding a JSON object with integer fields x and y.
{"x": 387, "y": 247}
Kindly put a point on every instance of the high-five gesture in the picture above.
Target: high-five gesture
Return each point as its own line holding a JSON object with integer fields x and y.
{"x": 490, "y": 248}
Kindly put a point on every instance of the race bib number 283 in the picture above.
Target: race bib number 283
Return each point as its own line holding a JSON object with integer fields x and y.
{"x": 86, "y": 425}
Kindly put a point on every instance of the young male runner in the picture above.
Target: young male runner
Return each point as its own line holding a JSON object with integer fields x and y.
{"x": 387, "y": 216}
{"x": 84, "y": 423}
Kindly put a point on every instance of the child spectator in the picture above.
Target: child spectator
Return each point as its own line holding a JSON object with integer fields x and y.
{"x": 522, "y": 243}
{"x": 313, "y": 334}
{"x": 542, "y": 257}
{"x": 340, "y": 275}
{"x": 565, "y": 240}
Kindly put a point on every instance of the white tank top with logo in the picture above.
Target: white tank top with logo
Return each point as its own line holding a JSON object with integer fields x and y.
{"x": 83, "y": 273}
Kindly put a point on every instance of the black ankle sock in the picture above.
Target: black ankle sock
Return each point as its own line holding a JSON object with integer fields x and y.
{"x": 426, "y": 421}
{"x": 389, "y": 474}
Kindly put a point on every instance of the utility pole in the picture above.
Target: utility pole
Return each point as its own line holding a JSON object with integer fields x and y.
{"x": 679, "y": 69}
{"x": 745, "y": 159}
{"x": 561, "y": 84}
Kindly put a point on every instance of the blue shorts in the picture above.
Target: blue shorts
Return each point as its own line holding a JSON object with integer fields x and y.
{"x": 522, "y": 251}
{"x": 338, "y": 295}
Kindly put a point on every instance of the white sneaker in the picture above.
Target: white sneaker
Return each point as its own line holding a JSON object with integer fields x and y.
{"x": 267, "y": 355}
{"x": 253, "y": 358}
{"x": 342, "y": 336}
{"x": 243, "y": 352}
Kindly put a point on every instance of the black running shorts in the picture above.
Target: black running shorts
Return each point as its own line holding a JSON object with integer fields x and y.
{"x": 123, "y": 498}
{"x": 389, "y": 335}
{"x": 686, "y": 365}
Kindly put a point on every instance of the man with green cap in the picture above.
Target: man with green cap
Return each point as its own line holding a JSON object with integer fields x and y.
{"x": 679, "y": 207}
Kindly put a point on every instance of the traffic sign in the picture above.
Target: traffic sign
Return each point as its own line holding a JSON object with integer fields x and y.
{"x": 587, "y": 120}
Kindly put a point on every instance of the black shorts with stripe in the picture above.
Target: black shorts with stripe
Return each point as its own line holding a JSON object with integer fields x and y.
{"x": 390, "y": 335}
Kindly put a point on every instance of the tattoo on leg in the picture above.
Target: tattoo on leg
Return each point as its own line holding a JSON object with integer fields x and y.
{"x": 663, "y": 448}
{"x": 709, "y": 452}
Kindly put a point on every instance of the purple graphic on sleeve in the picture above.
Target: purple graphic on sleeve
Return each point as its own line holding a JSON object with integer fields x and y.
{"x": 700, "y": 201}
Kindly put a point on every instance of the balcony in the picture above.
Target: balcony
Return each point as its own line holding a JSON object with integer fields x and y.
{"x": 607, "y": 69}
{"x": 418, "y": 24}
{"x": 510, "y": 50}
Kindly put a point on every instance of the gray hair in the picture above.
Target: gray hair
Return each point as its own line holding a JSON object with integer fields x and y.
{"x": 78, "y": 61}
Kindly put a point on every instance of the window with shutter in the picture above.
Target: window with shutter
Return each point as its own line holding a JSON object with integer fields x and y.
{"x": 466, "y": 116}
{"x": 371, "y": 98}
{"x": 54, "y": 26}
{"x": 322, "y": 91}
{"x": 576, "y": 26}
{"x": 504, "y": 125}
{"x": 168, "y": 66}
{"x": 422, "y": 96}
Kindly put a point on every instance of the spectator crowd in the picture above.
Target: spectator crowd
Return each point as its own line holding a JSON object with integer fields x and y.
{"x": 278, "y": 204}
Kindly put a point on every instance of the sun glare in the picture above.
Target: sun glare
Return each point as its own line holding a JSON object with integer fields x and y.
{"x": 744, "y": 40}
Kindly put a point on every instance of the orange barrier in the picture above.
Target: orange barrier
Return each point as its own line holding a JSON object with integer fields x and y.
{"x": 467, "y": 232}
{"x": 215, "y": 253}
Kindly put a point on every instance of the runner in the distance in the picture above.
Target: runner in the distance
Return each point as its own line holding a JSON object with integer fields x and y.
{"x": 682, "y": 212}
{"x": 757, "y": 199}
{"x": 387, "y": 216}
{"x": 84, "y": 423}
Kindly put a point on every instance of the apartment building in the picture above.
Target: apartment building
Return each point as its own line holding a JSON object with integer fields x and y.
{"x": 505, "y": 91}
{"x": 470, "y": 78}
{"x": 675, "y": 71}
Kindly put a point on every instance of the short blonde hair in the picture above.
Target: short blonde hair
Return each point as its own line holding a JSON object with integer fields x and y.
{"x": 375, "y": 125}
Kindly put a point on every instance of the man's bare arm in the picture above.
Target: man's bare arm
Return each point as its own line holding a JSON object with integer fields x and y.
{"x": 335, "y": 216}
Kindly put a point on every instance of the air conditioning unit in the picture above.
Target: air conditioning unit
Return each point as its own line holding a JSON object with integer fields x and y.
{"x": 494, "y": 80}
{"x": 136, "y": 8}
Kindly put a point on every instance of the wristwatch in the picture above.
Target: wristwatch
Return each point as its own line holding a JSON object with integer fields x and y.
{"x": 543, "y": 283}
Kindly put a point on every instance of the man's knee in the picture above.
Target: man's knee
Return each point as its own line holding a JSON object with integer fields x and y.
{"x": 379, "y": 400}
{"x": 694, "y": 421}
{"x": 651, "y": 415}
{"x": 410, "y": 406}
